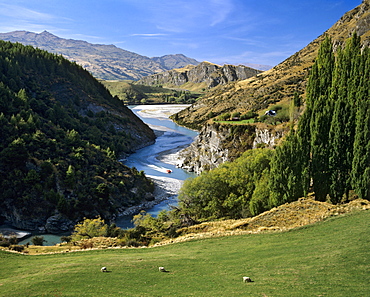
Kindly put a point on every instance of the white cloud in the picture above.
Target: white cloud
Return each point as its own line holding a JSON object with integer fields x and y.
{"x": 220, "y": 10}
{"x": 23, "y": 13}
{"x": 149, "y": 34}
{"x": 15, "y": 17}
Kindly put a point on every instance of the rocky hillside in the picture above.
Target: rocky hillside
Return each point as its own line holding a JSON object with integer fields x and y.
{"x": 103, "y": 61}
{"x": 205, "y": 75}
{"x": 174, "y": 61}
{"x": 275, "y": 88}
{"x": 278, "y": 84}
{"x": 217, "y": 144}
{"x": 61, "y": 133}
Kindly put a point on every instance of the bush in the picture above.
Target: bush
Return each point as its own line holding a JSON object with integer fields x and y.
{"x": 133, "y": 242}
{"x": 13, "y": 239}
{"x": 4, "y": 243}
{"x": 90, "y": 228}
{"x": 249, "y": 115}
{"x": 65, "y": 239}
{"x": 86, "y": 244}
{"x": 38, "y": 240}
{"x": 17, "y": 248}
{"x": 224, "y": 117}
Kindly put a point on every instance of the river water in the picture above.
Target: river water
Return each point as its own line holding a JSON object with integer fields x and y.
{"x": 154, "y": 160}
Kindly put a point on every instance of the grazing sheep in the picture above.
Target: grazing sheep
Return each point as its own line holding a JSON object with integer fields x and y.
{"x": 104, "y": 269}
{"x": 247, "y": 279}
{"x": 161, "y": 269}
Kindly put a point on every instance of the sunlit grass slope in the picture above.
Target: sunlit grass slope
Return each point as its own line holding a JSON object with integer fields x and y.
{"x": 329, "y": 258}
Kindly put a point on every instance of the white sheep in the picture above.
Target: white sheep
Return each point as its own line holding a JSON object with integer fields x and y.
{"x": 104, "y": 269}
{"x": 247, "y": 279}
{"x": 161, "y": 269}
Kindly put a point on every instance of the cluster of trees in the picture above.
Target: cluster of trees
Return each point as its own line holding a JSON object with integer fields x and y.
{"x": 56, "y": 154}
{"x": 328, "y": 153}
{"x": 180, "y": 97}
{"x": 231, "y": 190}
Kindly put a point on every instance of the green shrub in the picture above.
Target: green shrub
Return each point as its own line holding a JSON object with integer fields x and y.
{"x": 248, "y": 115}
{"x": 38, "y": 240}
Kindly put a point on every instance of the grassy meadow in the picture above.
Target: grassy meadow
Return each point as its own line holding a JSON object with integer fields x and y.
{"x": 330, "y": 258}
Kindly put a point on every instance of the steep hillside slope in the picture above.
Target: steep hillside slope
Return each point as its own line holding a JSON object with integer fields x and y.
{"x": 60, "y": 135}
{"x": 203, "y": 76}
{"x": 279, "y": 83}
{"x": 103, "y": 61}
{"x": 174, "y": 61}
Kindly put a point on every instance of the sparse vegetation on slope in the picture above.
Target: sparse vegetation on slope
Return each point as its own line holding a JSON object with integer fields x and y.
{"x": 278, "y": 84}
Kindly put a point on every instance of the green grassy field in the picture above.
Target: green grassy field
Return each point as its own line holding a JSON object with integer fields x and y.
{"x": 331, "y": 258}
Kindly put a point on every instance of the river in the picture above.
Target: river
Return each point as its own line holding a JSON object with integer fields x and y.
{"x": 154, "y": 160}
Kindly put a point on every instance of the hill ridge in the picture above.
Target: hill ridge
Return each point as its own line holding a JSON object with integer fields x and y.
{"x": 204, "y": 75}
{"x": 278, "y": 84}
{"x": 104, "y": 61}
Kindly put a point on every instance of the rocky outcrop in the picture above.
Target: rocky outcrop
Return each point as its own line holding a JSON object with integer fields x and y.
{"x": 206, "y": 152}
{"x": 217, "y": 144}
{"x": 266, "y": 138}
{"x": 208, "y": 74}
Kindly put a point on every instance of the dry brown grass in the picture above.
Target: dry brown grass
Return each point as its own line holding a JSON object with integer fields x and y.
{"x": 292, "y": 215}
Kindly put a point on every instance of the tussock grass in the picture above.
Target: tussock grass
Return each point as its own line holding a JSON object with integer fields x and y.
{"x": 292, "y": 215}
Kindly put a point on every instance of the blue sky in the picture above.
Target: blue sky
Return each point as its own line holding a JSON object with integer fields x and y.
{"x": 220, "y": 31}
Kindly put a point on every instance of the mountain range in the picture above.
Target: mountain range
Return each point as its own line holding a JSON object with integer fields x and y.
{"x": 106, "y": 62}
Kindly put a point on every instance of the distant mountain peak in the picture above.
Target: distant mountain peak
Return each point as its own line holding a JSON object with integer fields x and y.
{"x": 103, "y": 61}
{"x": 169, "y": 62}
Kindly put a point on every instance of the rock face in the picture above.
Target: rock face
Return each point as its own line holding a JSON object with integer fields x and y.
{"x": 58, "y": 223}
{"x": 206, "y": 152}
{"x": 266, "y": 138}
{"x": 208, "y": 74}
{"x": 217, "y": 144}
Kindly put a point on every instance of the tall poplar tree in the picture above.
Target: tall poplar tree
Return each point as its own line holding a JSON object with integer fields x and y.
{"x": 360, "y": 174}
{"x": 320, "y": 109}
{"x": 287, "y": 183}
{"x": 342, "y": 128}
